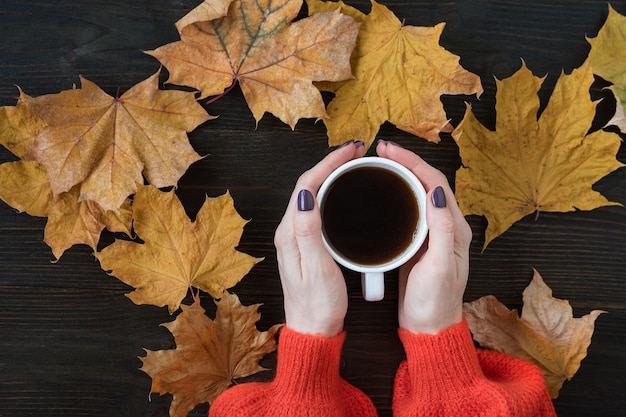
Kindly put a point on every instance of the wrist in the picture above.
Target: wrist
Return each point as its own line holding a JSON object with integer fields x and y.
{"x": 314, "y": 325}
{"x": 432, "y": 323}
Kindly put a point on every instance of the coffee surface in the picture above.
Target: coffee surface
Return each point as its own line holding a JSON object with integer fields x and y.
{"x": 370, "y": 215}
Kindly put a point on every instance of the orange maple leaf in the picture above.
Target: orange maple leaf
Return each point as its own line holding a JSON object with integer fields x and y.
{"x": 24, "y": 185}
{"x": 528, "y": 165}
{"x": 210, "y": 354}
{"x": 105, "y": 144}
{"x": 273, "y": 60}
{"x": 400, "y": 73}
{"x": 178, "y": 253}
{"x": 546, "y": 334}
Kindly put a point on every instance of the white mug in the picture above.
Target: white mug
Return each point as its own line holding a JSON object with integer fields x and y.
{"x": 372, "y": 276}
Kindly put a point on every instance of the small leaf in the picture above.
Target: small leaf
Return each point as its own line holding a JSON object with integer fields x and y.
{"x": 546, "y": 334}
{"x": 178, "y": 253}
{"x": 19, "y": 126}
{"x": 72, "y": 222}
{"x": 204, "y": 12}
{"x": 210, "y": 354}
{"x": 24, "y": 186}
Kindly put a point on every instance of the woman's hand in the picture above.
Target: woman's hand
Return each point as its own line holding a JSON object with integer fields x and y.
{"x": 433, "y": 282}
{"x": 314, "y": 288}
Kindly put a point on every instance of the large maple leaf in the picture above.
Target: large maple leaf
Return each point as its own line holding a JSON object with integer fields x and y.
{"x": 528, "y": 165}
{"x": 274, "y": 61}
{"x": 400, "y": 73}
{"x": 546, "y": 334}
{"x": 608, "y": 58}
{"x": 24, "y": 185}
{"x": 177, "y": 253}
{"x": 106, "y": 143}
{"x": 210, "y": 354}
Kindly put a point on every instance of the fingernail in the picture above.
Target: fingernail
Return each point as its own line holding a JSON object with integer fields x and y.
{"x": 359, "y": 143}
{"x": 305, "y": 200}
{"x": 389, "y": 142}
{"x": 346, "y": 143}
{"x": 438, "y": 197}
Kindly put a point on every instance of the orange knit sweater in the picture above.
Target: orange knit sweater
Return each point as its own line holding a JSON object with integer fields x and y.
{"x": 444, "y": 375}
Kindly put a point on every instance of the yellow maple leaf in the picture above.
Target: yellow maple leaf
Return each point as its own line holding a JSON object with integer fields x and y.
{"x": 528, "y": 165}
{"x": 18, "y": 126}
{"x": 210, "y": 354}
{"x": 178, "y": 253}
{"x": 24, "y": 185}
{"x": 273, "y": 60}
{"x": 608, "y": 58}
{"x": 546, "y": 334}
{"x": 400, "y": 73}
{"x": 106, "y": 143}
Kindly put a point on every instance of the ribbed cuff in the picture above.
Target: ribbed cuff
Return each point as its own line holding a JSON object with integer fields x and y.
{"x": 442, "y": 365}
{"x": 308, "y": 366}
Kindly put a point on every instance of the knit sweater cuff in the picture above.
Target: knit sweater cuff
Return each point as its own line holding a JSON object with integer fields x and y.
{"x": 308, "y": 366}
{"x": 442, "y": 365}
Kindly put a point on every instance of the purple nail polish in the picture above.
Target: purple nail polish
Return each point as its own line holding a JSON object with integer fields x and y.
{"x": 438, "y": 197}
{"x": 305, "y": 200}
{"x": 359, "y": 143}
{"x": 383, "y": 141}
{"x": 346, "y": 143}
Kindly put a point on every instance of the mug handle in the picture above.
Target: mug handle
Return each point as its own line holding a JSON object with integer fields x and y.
{"x": 373, "y": 285}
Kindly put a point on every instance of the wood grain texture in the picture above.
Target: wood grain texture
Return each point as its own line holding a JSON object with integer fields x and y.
{"x": 70, "y": 339}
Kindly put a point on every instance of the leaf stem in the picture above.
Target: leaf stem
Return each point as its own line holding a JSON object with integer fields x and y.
{"x": 193, "y": 294}
{"x": 228, "y": 90}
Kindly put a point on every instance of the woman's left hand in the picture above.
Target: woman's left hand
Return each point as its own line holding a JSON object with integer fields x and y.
{"x": 314, "y": 288}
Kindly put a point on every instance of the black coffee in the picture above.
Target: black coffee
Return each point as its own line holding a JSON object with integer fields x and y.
{"x": 370, "y": 215}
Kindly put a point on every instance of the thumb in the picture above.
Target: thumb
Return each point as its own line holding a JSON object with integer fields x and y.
{"x": 307, "y": 224}
{"x": 441, "y": 225}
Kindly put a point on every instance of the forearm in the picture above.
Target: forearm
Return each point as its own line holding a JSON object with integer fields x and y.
{"x": 307, "y": 384}
{"x": 445, "y": 375}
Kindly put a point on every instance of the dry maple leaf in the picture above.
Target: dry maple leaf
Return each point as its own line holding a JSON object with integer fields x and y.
{"x": 608, "y": 58}
{"x": 24, "y": 185}
{"x": 206, "y": 11}
{"x": 528, "y": 165}
{"x": 71, "y": 222}
{"x": 400, "y": 73}
{"x": 105, "y": 144}
{"x": 546, "y": 334}
{"x": 273, "y": 60}
{"x": 178, "y": 253}
{"x": 210, "y": 354}
{"x": 18, "y": 127}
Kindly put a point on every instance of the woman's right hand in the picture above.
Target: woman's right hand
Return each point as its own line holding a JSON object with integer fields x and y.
{"x": 433, "y": 282}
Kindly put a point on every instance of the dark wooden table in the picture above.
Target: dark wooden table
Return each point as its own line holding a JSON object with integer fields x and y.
{"x": 70, "y": 339}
